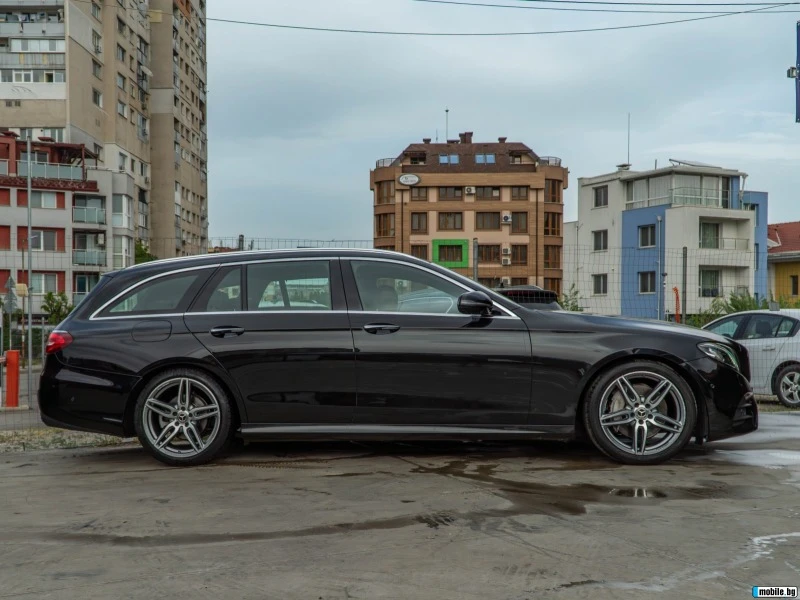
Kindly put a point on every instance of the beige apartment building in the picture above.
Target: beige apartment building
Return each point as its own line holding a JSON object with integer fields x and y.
{"x": 435, "y": 200}
{"x": 126, "y": 80}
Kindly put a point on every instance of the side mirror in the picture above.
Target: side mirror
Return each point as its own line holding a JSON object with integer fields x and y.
{"x": 475, "y": 303}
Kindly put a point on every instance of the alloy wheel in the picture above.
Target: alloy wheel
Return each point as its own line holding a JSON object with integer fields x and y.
{"x": 790, "y": 388}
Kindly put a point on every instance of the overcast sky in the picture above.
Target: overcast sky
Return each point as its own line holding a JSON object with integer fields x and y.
{"x": 297, "y": 119}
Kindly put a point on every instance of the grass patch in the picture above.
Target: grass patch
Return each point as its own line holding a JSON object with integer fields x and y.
{"x": 47, "y": 438}
{"x": 771, "y": 404}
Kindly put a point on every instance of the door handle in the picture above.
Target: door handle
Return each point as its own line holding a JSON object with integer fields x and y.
{"x": 226, "y": 331}
{"x": 380, "y": 328}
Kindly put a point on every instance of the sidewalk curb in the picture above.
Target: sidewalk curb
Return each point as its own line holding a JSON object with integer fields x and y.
{"x": 24, "y": 407}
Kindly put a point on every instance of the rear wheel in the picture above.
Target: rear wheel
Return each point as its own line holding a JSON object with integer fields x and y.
{"x": 789, "y": 386}
{"x": 641, "y": 412}
{"x": 183, "y": 418}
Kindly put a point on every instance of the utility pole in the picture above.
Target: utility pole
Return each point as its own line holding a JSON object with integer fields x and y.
{"x": 794, "y": 73}
{"x": 30, "y": 274}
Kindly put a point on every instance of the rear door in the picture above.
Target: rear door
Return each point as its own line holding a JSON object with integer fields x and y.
{"x": 280, "y": 329}
{"x": 764, "y": 336}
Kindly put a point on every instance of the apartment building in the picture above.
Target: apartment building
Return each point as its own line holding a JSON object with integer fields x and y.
{"x": 625, "y": 253}
{"x": 435, "y": 200}
{"x": 82, "y": 216}
{"x": 81, "y": 72}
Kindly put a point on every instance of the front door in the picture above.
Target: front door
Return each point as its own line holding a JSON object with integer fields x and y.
{"x": 280, "y": 329}
{"x": 421, "y": 362}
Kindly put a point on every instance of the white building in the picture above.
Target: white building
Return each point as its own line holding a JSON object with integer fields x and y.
{"x": 632, "y": 229}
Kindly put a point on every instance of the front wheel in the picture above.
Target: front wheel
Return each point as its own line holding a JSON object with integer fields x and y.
{"x": 183, "y": 418}
{"x": 639, "y": 413}
{"x": 789, "y": 386}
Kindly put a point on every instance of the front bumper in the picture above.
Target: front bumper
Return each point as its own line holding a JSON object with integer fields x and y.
{"x": 730, "y": 407}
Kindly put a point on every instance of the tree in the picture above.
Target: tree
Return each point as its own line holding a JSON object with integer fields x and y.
{"x": 57, "y": 307}
{"x": 143, "y": 253}
{"x": 571, "y": 300}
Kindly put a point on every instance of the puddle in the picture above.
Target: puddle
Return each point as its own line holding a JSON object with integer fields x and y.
{"x": 766, "y": 458}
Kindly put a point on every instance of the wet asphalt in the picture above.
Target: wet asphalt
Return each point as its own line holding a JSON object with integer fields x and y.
{"x": 404, "y": 520}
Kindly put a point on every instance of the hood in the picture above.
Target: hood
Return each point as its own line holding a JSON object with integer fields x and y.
{"x": 632, "y": 325}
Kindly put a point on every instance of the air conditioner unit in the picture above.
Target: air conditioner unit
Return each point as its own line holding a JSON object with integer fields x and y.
{"x": 506, "y": 280}
{"x": 100, "y": 240}
{"x": 469, "y": 190}
{"x": 506, "y": 219}
{"x": 506, "y": 262}
{"x": 507, "y": 251}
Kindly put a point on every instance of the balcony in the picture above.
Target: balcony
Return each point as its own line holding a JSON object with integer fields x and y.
{"x": 88, "y": 214}
{"x": 38, "y": 29}
{"x": 91, "y": 258}
{"x": 549, "y": 161}
{"x": 32, "y": 59}
{"x": 384, "y": 162}
{"x": 725, "y": 244}
{"x": 142, "y": 57}
{"x": 50, "y": 171}
{"x": 686, "y": 197}
{"x": 718, "y": 291}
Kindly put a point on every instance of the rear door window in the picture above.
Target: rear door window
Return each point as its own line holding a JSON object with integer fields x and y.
{"x": 297, "y": 285}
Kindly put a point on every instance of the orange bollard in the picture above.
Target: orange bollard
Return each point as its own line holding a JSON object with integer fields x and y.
{"x": 12, "y": 379}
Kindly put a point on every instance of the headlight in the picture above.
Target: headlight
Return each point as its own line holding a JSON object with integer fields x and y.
{"x": 721, "y": 353}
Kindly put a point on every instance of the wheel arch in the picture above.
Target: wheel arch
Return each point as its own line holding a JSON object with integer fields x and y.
{"x": 652, "y": 355}
{"x": 776, "y": 372}
{"x": 237, "y": 406}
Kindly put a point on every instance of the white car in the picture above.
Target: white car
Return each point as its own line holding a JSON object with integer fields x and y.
{"x": 771, "y": 338}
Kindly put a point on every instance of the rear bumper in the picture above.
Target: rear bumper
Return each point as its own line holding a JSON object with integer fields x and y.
{"x": 731, "y": 409}
{"x": 83, "y": 400}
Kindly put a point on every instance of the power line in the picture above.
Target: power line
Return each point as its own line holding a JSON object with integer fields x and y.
{"x": 597, "y": 10}
{"x": 494, "y": 34}
{"x": 613, "y": 3}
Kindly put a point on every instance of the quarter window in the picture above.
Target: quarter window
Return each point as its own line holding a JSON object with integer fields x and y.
{"x": 168, "y": 294}
{"x": 389, "y": 287}
{"x": 291, "y": 285}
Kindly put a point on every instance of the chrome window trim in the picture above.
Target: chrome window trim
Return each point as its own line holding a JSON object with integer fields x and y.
{"x": 509, "y": 314}
{"x": 418, "y": 314}
{"x": 94, "y": 317}
{"x": 282, "y": 312}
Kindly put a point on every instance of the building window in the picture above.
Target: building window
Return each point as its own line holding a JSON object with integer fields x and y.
{"x": 96, "y": 11}
{"x": 451, "y": 253}
{"x": 451, "y": 221}
{"x": 488, "y": 253}
{"x": 552, "y": 191}
{"x": 419, "y": 194}
{"x": 121, "y": 53}
{"x": 600, "y": 284}
{"x": 122, "y": 29}
{"x": 43, "y": 240}
{"x": 123, "y": 160}
{"x": 519, "y": 254}
{"x": 519, "y": 222}
{"x": 552, "y": 257}
{"x": 710, "y": 283}
{"x": 451, "y": 193}
{"x": 419, "y": 222}
{"x": 647, "y": 282}
{"x": 755, "y": 257}
{"x": 386, "y": 192}
{"x": 600, "y": 240}
{"x": 419, "y": 251}
{"x": 484, "y": 159}
{"x": 487, "y": 193}
{"x": 121, "y": 81}
{"x": 43, "y": 283}
{"x": 97, "y": 98}
{"x": 519, "y": 192}
{"x": 552, "y": 223}
{"x": 448, "y": 159}
{"x": 516, "y": 159}
{"x": 794, "y": 283}
{"x": 43, "y": 200}
{"x": 519, "y": 281}
{"x": 384, "y": 225}
{"x": 97, "y": 69}
{"x": 487, "y": 220}
{"x": 122, "y": 211}
{"x": 418, "y": 160}
{"x": 42, "y": 45}
{"x": 552, "y": 284}
{"x": 123, "y": 255}
{"x": 601, "y": 196}
{"x": 709, "y": 235}
{"x": 647, "y": 236}
{"x": 489, "y": 282}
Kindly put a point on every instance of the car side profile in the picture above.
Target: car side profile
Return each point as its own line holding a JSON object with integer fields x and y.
{"x": 772, "y": 339}
{"x": 188, "y": 353}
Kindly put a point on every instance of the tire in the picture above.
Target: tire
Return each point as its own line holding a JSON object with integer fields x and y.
{"x": 787, "y": 385}
{"x": 183, "y": 430}
{"x": 665, "y": 426}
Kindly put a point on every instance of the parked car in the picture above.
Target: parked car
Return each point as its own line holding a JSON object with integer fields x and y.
{"x": 186, "y": 353}
{"x": 771, "y": 338}
{"x": 531, "y": 296}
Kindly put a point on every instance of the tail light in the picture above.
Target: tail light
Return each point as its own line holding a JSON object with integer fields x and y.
{"x": 58, "y": 340}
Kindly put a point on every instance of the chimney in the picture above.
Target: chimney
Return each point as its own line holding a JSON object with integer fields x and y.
{"x": 426, "y": 140}
{"x": 502, "y": 140}
{"x": 462, "y": 137}
{"x": 467, "y": 137}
